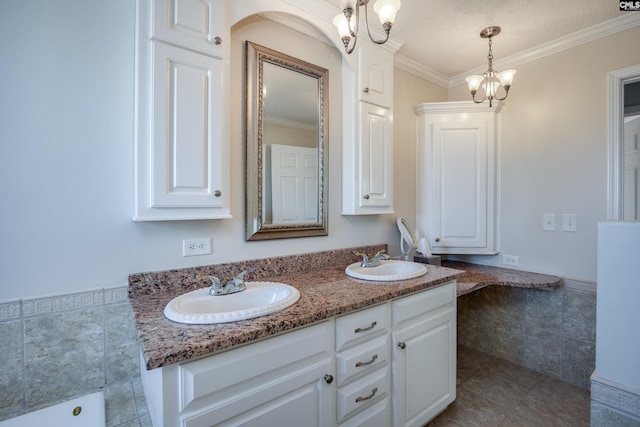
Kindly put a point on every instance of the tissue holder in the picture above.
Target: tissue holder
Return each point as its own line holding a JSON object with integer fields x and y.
{"x": 433, "y": 259}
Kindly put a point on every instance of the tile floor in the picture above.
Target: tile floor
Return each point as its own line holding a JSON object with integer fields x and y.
{"x": 494, "y": 392}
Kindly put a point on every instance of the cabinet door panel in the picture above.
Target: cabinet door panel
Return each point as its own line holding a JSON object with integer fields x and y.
{"x": 376, "y": 157}
{"x": 424, "y": 371}
{"x": 185, "y": 136}
{"x": 194, "y": 24}
{"x": 375, "y": 78}
{"x": 460, "y": 178}
{"x": 299, "y": 399}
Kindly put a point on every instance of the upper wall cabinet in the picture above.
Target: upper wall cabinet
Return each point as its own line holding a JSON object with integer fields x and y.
{"x": 375, "y": 78}
{"x": 193, "y": 24}
{"x": 456, "y": 177}
{"x": 181, "y": 149}
{"x": 367, "y": 126}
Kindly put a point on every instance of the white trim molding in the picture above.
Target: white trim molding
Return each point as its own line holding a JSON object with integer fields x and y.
{"x": 616, "y": 80}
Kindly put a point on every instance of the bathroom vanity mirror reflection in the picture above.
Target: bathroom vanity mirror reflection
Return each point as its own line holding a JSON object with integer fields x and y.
{"x": 286, "y": 157}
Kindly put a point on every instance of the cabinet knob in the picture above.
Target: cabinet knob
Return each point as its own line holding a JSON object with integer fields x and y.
{"x": 437, "y": 239}
{"x": 366, "y": 197}
{"x": 365, "y": 90}
{"x": 402, "y": 345}
{"x": 217, "y": 193}
{"x": 328, "y": 378}
{"x": 216, "y": 40}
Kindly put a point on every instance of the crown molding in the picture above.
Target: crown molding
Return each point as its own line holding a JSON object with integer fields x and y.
{"x": 420, "y": 70}
{"x": 594, "y": 32}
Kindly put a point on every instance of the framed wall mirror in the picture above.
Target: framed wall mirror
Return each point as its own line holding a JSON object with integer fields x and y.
{"x": 286, "y": 145}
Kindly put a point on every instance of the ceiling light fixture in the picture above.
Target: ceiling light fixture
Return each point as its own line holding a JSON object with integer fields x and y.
{"x": 490, "y": 80}
{"x": 386, "y": 10}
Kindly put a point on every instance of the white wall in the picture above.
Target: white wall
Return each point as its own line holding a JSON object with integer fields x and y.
{"x": 67, "y": 158}
{"x": 553, "y": 155}
{"x": 617, "y": 344}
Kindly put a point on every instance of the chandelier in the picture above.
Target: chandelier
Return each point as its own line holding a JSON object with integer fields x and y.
{"x": 386, "y": 10}
{"x": 490, "y": 80}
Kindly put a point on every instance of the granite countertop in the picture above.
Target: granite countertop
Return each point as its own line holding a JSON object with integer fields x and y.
{"x": 325, "y": 292}
{"x": 480, "y": 276}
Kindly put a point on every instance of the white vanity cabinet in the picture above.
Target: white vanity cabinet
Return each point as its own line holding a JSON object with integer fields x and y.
{"x": 367, "y": 142}
{"x": 181, "y": 142}
{"x": 424, "y": 355}
{"x": 457, "y": 177}
{"x": 346, "y": 371}
{"x": 279, "y": 381}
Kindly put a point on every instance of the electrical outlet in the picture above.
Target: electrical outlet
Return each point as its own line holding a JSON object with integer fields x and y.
{"x": 511, "y": 260}
{"x": 192, "y": 247}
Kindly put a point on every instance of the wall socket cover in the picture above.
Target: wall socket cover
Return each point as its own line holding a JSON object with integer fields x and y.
{"x": 193, "y": 247}
{"x": 511, "y": 260}
{"x": 549, "y": 222}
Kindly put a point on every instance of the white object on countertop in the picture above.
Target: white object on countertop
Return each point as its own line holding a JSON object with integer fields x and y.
{"x": 423, "y": 247}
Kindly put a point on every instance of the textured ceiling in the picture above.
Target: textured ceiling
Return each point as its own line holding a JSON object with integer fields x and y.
{"x": 444, "y": 35}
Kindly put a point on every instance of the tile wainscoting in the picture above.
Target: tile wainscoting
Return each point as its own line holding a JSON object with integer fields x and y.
{"x": 548, "y": 330}
{"x": 56, "y": 348}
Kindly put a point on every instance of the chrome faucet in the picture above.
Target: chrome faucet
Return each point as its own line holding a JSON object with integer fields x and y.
{"x": 228, "y": 286}
{"x": 374, "y": 261}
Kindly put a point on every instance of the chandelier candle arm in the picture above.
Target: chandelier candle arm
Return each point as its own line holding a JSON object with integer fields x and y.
{"x": 385, "y": 9}
{"x": 491, "y": 80}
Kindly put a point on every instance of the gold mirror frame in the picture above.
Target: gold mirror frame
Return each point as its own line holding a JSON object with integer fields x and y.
{"x": 257, "y": 227}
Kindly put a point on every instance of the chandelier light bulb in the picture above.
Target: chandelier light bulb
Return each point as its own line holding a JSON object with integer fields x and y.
{"x": 386, "y": 10}
{"x": 506, "y": 77}
{"x": 474, "y": 82}
{"x": 348, "y": 28}
{"x": 342, "y": 24}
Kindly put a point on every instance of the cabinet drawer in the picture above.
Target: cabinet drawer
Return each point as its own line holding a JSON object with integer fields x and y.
{"x": 354, "y": 328}
{"x": 360, "y": 360}
{"x": 221, "y": 372}
{"x": 378, "y": 415}
{"x": 422, "y": 303}
{"x": 362, "y": 394}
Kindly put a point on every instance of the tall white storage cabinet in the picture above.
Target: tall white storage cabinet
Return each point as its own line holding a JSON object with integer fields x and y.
{"x": 457, "y": 178}
{"x": 181, "y": 164}
{"x": 367, "y": 143}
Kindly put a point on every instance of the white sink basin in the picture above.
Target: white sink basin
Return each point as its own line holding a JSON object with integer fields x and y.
{"x": 258, "y": 299}
{"x": 387, "y": 271}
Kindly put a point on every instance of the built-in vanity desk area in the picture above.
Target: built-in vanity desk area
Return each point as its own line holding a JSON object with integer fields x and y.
{"x": 349, "y": 352}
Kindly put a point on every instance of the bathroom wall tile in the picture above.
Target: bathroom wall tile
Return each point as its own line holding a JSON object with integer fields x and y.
{"x": 120, "y": 404}
{"x": 11, "y": 379}
{"x": 579, "y": 315}
{"x": 476, "y": 323}
{"x": 603, "y": 416}
{"x": 10, "y": 310}
{"x": 122, "y": 349}
{"x": 509, "y": 339}
{"x": 139, "y": 398}
{"x": 578, "y": 361}
{"x": 544, "y": 309}
{"x": 543, "y": 351}
{"x": 145, "y": 421}
{"x": 64, "y": 354}
{"x": 510, "y": 303}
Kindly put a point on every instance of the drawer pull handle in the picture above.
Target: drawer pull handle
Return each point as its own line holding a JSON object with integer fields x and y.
{"x": 373, "y": 393}
{"x": 328, "y": 378}
{"x": 368, "y": 328}
{"x": 402, "y": 345}
{"x": 373, "y": 359}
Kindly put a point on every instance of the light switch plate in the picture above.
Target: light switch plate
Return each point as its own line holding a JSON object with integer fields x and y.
{"x": 549, "y": 222}
{"x": 569, "y": 222}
